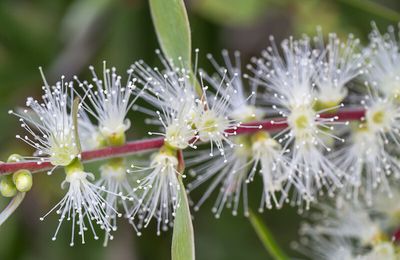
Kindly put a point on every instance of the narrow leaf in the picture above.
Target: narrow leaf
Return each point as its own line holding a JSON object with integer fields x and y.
{"x": 374, "y": 8}
{"x": 265, "y": 235}
{"x": 173, "y": 30}
{"x": 183, "y": 236}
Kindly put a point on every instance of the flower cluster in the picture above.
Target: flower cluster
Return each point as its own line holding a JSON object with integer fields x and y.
{"x": 351, "y": 230}
{"x": 280, "y": 123}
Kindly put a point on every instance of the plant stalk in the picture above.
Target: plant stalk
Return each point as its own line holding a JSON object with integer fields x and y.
{"x": 137, "y": 146}
{"x": 265, "y": 235}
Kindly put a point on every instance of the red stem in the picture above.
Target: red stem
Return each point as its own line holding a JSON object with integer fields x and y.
{"x": 396, "y": 236}
{"x": 153, "y": 143}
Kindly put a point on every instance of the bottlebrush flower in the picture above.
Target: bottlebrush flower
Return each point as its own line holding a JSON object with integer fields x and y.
{"x": 338, "y": 63}
{"x": 348, "y": 230}
{"x": 118, "y": 190}
{"x": 369, "y": 157}
{"x": 109, "y": 102}
{"x": 213, "y": 123}
{"x": 82, "y": 204}
{"x": 290, "y": 81}
{"x": 158, "y": 191}
{"x": 178, "y": 130}
{"x": 89, "y": 133}
{"x": 230, "y": 171}
{"x": 164, "y": 87}
{"x": 383, "y": 71}
{"x": 239, "y": 164}
{"x": 349, "y": 220}
{"x": 171, "y": 91}
{"x": 274, "y": 169}
{"x": 319, "y": 246}
{"x": 50, "y": 125}
{"x": 366, "y": 162}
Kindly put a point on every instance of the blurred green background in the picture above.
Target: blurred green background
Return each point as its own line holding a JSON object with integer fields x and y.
{"x": 66, "y": 36}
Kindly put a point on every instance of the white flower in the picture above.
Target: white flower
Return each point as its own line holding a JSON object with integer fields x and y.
{"x": 223, "y": 109}
{"x": 89, "y": 133}
{"x": 274, "y": 169}
{"x": 109, "y": 102}
{"x": 290, "y": 79}
{"x": 178, "y": 129}
{"x": 158, "y": 192}
{"x": 82, "y": 204}
{"x": 167, "y": 87}
{"x": 227, "y": 81}
{"x": 385, "y": 250}
{"x": 171, "y": 91}
{"x": 230, "y": 172}
{"x": 50, "y": 125}
{"x": 115, "y": 181}
{"x": 383, "y": 71}
{"x": 368, "y": 158}
{"x": 212, "y": 125}
{"x": 240, "y": 163}
{"x": 339, "y": 63}
{"x": 366, "y": 163}
{"x": 349, "y": 220}
{"x": 318, "y": 246}
{"x": 240, "y": 168}
{"x": 388, "y": 207}
{"x": 346, "y": 231}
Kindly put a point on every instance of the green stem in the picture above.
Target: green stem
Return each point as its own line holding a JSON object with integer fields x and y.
{"x": 373, "y": 8}
{"x": 12, "y": 206}
{"x": 265, "y": 235}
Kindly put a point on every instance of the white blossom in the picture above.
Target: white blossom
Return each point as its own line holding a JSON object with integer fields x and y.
{"x": 290, "y": 81}
{"x": 83, "y": 205}
{"x": 158, "y": 192}
{"x": 49, "y": 125}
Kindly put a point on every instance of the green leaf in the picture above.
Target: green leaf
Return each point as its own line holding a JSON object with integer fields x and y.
{"x": 374, "y": 8}
{"x": 266, "y": 237}
{"x": 183, "y": 237}
{"x": 232, "y": 12}
{"x": 172, "y": 28}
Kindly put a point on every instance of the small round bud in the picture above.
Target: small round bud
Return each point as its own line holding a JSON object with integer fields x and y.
{"x": 15, "y": 158}
{"x": 7, "y": 187}
{"x": 22, "y": 180}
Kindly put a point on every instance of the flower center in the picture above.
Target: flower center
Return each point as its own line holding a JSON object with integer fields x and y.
{"x": 63, "y": 149}
{"x": 378, "y": 117}
{"x": 179, "y": 136}
{"x": 211, "y": 125}
{"x": 302, "y": 122}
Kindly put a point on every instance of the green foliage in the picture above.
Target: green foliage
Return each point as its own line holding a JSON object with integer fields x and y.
{"x": 183, "y": 237}
{"x": 173, "y": 31}
{"x": 172, "y": 28}
{"x": 232, "y": 12}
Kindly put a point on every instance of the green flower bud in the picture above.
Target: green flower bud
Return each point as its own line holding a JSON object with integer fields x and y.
{"x": 15, "y": 158}
{"x": 7, "y": 187}
{"x": 23, "y": 180}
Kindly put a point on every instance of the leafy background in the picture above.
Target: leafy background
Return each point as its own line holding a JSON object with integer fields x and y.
{"x": 66, "y": 36}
